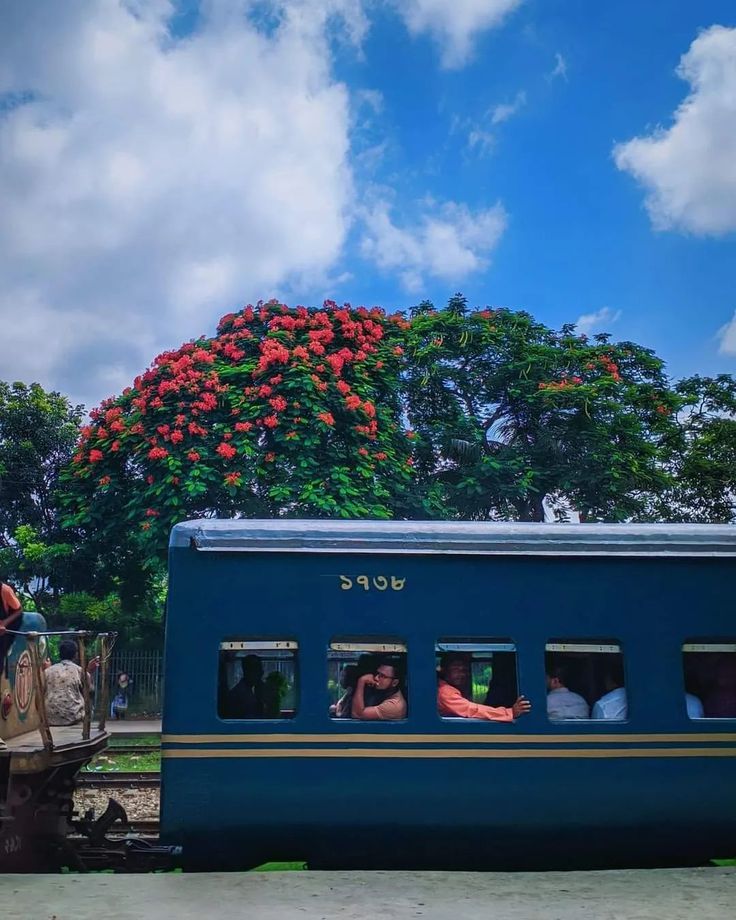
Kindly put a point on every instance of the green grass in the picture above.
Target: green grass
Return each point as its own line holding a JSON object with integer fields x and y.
{"x": 724, "y": 862}
{"x": 280, "y": 867}
{"x": 134, "y": 740}
{"x": 110, "y": 762}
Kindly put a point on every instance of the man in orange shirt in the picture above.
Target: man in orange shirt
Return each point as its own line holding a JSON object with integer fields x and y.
{"x": 454, "y": 674}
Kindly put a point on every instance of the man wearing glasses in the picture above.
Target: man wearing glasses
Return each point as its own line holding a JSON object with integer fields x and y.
{"x": 390, "y": 702}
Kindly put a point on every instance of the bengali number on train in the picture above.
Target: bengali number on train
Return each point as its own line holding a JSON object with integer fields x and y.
{"x": 375, "y": 583}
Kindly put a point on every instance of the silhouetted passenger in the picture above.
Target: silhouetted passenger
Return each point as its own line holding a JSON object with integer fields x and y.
{"x": 720, "y": 702}
{"x": 454, "y": 675}
{"x": 275, "y": 687}
{"x": 348, "y": 679}
{"x": 246, "y": 699}
{"x": 367, "y": 665}
{"x": 613, "y": 705}
{"x": 389, "y": 701}
{"x": 502, "y": 685}
{"x": 563, "y": 703}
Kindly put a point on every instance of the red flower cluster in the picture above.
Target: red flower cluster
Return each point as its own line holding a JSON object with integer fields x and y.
{"x": 226, "y": 450}
{"x": 272, "y": 352}
{"x": 608, "y": 365}
{"x": 563, "y": 384}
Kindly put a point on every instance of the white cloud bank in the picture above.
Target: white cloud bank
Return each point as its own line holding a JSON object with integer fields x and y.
{"x": 448, "y": 241}
{"x": 727, "y": 337}
{"x": 689, "y": 169}
{"x": 454, "y": 24}
{"x": 590, "y": 322}
{"x": 149, "y": 182}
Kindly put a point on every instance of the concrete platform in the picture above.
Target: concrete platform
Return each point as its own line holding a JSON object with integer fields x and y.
{"x": 656, "y": 894}
{"x": 125, "y": 727}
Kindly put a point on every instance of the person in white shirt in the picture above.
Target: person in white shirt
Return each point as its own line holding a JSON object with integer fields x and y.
{"x": 613, "y": 705}
{"x": 563, "y": 703}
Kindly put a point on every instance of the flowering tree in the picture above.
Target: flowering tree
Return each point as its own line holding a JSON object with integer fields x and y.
{"x": 306, "y": 412}
{"x": 509, "y": 412}
{"x": 284, "y": 412}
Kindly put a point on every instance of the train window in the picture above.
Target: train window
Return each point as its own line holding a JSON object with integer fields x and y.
{"x": 710, "y": 679}
{"x": 585, "y": 680}
{"x": 366, "y": 679}
{"x": 257, "y": 679}
{"x": 476, "y": 678}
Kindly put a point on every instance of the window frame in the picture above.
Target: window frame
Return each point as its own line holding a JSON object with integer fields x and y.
{"x": 255, "y": 645}
{"x": 378, "y": 645}
{"x": 469, "y": 645}
{"x": 704, "y": 646}
{"x": 591, "y": 646}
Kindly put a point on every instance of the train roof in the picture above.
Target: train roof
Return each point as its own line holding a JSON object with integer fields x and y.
{"x": 455, "y": 537}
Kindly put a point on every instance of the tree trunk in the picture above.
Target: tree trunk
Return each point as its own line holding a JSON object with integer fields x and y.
{"x": 532, "y": 509}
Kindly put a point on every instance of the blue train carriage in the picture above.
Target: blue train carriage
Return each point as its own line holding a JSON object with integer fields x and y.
{"x": 38, "y": 763}
{"x": 270, "y": 623}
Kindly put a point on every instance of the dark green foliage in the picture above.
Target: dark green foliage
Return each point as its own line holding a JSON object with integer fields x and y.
{"x": 509, "y": 412}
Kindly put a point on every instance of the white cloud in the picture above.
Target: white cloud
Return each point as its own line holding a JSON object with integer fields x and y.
{"x": 454, "y": 24}
{"x": 148, "y": 182}
{"x": 481, "y": 141}
{"x": 448, "y": 241}
{"x": 371, "y": 98}
{"x": 689, "y": 169}
{"x": 590, "y": 322}
{"x": 560, "y": 68}
{"x": 506, "y": 110}
{"x": 727, "y": 336}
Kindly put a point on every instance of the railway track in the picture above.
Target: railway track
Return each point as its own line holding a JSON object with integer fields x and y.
{"x": 99, "y": 778}
{"x": 138, "y": 827}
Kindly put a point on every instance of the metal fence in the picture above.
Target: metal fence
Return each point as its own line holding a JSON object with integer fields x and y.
{"x": 144, "y": 668}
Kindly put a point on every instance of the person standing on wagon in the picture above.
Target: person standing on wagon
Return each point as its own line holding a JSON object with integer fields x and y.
{"x": 454, "y": 674}
{"x": 10, "y": 611}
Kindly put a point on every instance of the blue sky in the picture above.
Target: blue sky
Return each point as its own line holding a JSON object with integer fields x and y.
{"x": 165, "y": 162}
{"x": 579, "y": 238}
